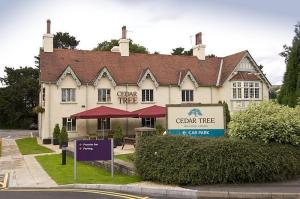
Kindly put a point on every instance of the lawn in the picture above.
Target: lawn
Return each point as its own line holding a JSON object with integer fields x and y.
{"x": 30, "y": 146}
{"x": 125, "y": 157}
{"x": 63, "y": 174}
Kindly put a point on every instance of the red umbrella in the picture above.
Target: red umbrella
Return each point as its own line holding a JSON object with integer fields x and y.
{"x": 151, "y": 111}
{"x": 103, "y": 112}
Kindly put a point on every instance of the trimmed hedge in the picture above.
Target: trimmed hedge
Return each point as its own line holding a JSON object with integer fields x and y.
{"x": 193, "y": 161}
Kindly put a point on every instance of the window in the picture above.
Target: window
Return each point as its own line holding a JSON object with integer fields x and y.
{"x": 245, "y": 90}
{"x": 70, "y": 124}
{"x": 104, "y": 95}
{"x": 68, "y": 94}
{"x": 148, "y": 122}
{"x": 103, "y": 124}
{"x": 147, "y": 95}
{"x": 43, "y": 94}
{"x": 187, "y": 95}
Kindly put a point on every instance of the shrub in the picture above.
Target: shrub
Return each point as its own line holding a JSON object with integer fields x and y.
{"x": 63, "y": 138}
{"x": 118, "y": 136}
{"x": 227, "y": 112}
{"x": 267, "y": 122}
{"x": 56, "y": 132}
{"x": 194, "y": 161}
{"x": 159, "y": 129}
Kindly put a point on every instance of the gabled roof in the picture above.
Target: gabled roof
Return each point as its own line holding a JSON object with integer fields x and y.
{"x": 144, "y": 75}
{"x": 185, "y": 74}
{"x": 245, "y": 76}
{"x": 129, "y": 70}
{"x": 104, "y": 72}
{"x": 66, "y": 72}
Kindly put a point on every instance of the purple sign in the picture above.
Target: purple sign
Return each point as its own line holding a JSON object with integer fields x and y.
{"x": 89, "y": 150}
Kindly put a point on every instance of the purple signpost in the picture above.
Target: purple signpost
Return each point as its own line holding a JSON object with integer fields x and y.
{"x": 91, "y": 150}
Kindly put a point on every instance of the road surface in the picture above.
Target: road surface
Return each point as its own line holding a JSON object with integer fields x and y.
{"x": 7, "y": 133}
{"x": 65, "y": 194}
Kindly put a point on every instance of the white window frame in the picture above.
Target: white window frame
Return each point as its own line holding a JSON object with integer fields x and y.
{"x": 69, "y": 124}
{"x": 246, "y": 90}
{"x": 68, "y": 95}
{"x": 149, "y": 120}
{"x": 105, "y": 122}
{"x": 146, "y": 95}
{"x": 107, "y": 95}
{"x": 188, "y": 95}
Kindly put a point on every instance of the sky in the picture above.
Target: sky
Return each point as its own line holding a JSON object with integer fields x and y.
{"x": 227, "y": 26}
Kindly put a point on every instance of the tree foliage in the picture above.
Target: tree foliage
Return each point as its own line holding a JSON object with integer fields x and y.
{"x": 18, "y": 97}
{"x": 267, "y": 122}
{"x": 290, "y": 90}
{"x": 65, "y": 40}
{"x": 181, "y": 51}
{"x": 108, "y": 45}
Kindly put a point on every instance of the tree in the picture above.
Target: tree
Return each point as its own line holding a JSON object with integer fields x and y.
{"x": 65, "y": 40}
{"x": 18, "y": 97}
{"x": 290, "y": 90}
{"x": 181, "y": 51}
{"x": 108, "y": 45}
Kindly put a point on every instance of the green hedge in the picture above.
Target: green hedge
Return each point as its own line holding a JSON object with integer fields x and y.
{"x": 193, "y": 161}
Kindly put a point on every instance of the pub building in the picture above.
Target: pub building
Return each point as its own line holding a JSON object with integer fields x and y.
{"x": 73, "y": 81}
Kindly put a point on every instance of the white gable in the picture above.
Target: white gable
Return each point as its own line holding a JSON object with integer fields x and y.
{"x": 68, "y": 71}
{"x": 147, "y": 74}
{"x": 246, "y": 65}
{"x": 104, "y": 73}
{"x": 188, "y": 76}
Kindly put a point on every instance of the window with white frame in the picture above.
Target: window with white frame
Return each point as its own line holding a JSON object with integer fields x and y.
{"x": 246, "y": 90}
{"x": 103, "y": 124}
{"x": 147, "y": 95}
{"x": 104, "y": 95}
{"x": 69, "y": 124}
{"x": 187, "y": 95}
{"x": 68, "y": 94}
{"x": 148, "y": 122}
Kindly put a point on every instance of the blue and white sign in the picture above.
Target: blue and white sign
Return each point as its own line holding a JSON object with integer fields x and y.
{"x": 196, "y": 120}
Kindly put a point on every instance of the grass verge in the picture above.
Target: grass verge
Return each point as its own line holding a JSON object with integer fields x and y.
{"x": 63, "y": 174}
{"x": 125, "y": 157}
{"x": 30, "y": 146}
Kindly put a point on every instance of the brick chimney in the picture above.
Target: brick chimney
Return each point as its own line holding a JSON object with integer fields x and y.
{"x": 124, "y": 43}
{"x": 48, "y": 39}
{"x": 199, "y": 48}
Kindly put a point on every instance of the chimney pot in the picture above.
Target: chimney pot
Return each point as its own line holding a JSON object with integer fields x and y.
{"x": 48, "y": 26}
{"x": 198, "y": 37}
{"x": 124, "y": 32}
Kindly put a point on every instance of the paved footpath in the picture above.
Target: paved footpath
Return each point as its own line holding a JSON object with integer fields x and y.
{"x": 24, "y": 171}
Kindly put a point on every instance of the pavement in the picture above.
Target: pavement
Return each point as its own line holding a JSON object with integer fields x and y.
{"x": 24, "y": 171}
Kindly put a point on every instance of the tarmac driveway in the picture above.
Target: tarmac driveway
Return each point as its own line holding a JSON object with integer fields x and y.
{"x": 7, "y": 133}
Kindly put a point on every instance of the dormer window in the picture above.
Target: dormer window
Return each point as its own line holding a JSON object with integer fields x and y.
{"x": 246, "y": 90}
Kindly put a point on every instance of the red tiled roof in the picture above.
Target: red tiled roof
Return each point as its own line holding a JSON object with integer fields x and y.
{"x": 229, "y": 64}
{"x": 127, "y": 70}
{"x": 244, "y": 76}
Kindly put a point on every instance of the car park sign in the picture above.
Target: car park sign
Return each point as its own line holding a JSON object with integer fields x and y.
{"x": 207, "y": 120}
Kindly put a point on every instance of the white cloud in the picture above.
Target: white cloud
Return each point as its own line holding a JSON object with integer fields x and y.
{"x": 158, "y": 25}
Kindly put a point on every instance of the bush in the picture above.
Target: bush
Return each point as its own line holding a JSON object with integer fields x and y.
{"x": 159, "y": 129}
{"x": 63, "y": 138}
{"x": 267, "y": 122}
{"x": 56, "y": 132}
{"x": 118, "y": 136}
{"x": 227, "y": 112}
{"x": 194, "y": 161}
